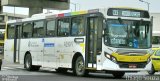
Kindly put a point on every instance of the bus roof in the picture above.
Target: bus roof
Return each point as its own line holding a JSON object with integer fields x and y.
{"x": 125, "y": 7}
{"x": 52, "y": 15}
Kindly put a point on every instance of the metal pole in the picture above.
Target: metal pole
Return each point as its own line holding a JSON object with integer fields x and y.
{"x": 14, "y": 11}
{"x": 148, "y": 6}
{"x": 75, "y": 6}
{"x": 146, "y": 3}
{"x": 79, "y": 6}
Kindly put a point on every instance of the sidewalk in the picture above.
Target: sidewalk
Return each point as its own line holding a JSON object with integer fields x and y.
{"x": 11, "y": 65}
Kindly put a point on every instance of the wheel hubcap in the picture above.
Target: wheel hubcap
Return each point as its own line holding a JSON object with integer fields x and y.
{"x": 27, "y": 63}
{"x": 80, "y": 66}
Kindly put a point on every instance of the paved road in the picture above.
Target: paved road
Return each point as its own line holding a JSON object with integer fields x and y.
{"x": 16, "y": 72}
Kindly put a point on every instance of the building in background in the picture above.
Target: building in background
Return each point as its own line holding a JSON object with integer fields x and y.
{"x": 156, "y": 29}
{"x": 37, "y": 6}
{"x": 5, "y": 17}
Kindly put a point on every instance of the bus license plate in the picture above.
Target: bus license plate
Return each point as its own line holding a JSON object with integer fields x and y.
{"x": 132, "y": 66}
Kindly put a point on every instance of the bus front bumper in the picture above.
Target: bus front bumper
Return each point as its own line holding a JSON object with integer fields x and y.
{"x": 108, "y": 65}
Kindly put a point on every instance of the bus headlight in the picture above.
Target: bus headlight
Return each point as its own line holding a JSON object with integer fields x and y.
{"x": 110, "y": 57}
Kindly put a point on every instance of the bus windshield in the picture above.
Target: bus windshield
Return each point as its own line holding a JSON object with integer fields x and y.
{"x": 127, "y": 33}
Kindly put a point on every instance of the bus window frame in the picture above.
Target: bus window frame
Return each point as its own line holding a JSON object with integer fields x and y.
{"x": 44, "y": 27}
{"x": 46, "y": 22}
{"x": 15, "y": 24}
{"x": 23, "y": 29}
{"x": 57, "y": 29}
{"x": 84, "y": 25}
{"x": 8, "y": 31}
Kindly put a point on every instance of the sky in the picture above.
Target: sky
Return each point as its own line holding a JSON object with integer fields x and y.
{"x": 93, "y": 4}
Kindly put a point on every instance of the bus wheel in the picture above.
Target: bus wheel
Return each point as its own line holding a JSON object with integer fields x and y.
{"x": 79, "y": 68}
{"x": 28, "y": 62}
{"x": 152, "y": 71}
{"x": 118, "y": 74}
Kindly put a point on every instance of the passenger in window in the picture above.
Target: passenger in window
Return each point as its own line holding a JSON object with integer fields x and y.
{"x": 77, "y": 27}
{"x": 74, "y": 29}
{"x": 81, "y": 28}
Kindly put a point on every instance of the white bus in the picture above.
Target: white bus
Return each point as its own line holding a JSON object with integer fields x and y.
{"x": 115, "y": 40}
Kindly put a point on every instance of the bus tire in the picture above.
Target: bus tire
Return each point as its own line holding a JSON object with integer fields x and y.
{"x": 28, "y": 63}
{"x": 79, "y": 67}
{"x": 118, "y": 74}
{"x": 152, "y": 71}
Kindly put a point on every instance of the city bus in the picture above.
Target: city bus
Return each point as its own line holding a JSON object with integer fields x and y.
{"x": 114, "y": 40}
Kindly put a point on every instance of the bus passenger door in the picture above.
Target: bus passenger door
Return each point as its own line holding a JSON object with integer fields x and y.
{"x": 93, "y": 41}
{"x": 9, "y": 44}
{"x": 17, "y": 38}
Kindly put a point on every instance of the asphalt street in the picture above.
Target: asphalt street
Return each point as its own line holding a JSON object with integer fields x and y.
{"x": 16, "y": 72}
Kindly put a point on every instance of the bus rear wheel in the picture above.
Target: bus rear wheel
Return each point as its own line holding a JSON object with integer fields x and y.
{"x": 28, "y": 62}
{"x": 79, "y": 68}
{"x": 118, "y": 74}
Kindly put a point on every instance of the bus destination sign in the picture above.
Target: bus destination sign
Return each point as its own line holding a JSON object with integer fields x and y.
{"x": 128, "y": 13}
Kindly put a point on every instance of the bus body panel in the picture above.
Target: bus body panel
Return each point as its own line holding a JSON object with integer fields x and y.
{"x": 24, "y": 49}
{"x": 36, "y": 46}
{"x": 9, "y": 50}
{"x": 49, "y": 58}
{"x": 66, "y": 48}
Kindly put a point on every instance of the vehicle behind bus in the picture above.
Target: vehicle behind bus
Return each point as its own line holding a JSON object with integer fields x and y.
{"x": 115, "y": 40}
{"x": 2, "y": 32}
{"x": 156, "y": 41}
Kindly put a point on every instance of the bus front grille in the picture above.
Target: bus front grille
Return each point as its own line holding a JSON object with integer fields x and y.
{"x": 132, "y": 65}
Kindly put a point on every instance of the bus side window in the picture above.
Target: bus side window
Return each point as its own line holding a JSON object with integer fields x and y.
{"x": 27, "y": 30}
{"x": 51, "y": 28}
{"x": 77, "y": 26}
{"x": 38, "y": 29}
{"x": 11, "y": 31}
{"x": 63, "y": 27}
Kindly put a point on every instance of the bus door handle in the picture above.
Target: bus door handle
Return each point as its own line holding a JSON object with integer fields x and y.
{"x": 79, "y": 40}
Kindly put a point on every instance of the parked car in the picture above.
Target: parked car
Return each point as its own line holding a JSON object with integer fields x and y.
{"x": 155, "y": 58}
{"x": 1, "y": 56}
{"x": 0, "y": 64}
